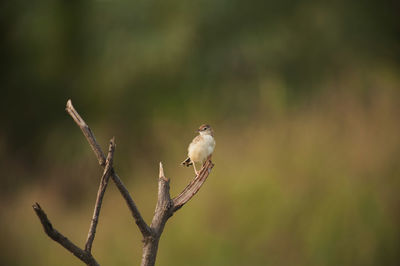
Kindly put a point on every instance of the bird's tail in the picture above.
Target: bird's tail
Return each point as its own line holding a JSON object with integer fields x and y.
{"x": 187, "y": 162}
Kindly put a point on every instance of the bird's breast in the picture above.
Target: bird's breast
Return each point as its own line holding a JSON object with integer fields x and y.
{"x": 200, "y": 150}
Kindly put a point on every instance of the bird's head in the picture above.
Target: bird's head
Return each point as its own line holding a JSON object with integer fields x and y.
{"x": 205, "y": 130}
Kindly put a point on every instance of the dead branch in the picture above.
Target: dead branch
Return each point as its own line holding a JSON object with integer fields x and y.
{"x": 83, "y": 255}
{"x": 165, "y": 207}
{"x": 194, "y": 186}
{"x": 87, "y": 132}
{"x": 100, "y": 194}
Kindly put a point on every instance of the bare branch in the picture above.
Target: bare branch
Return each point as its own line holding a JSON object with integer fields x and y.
{"x": 166, "y": 207}
{"x": 162, "y": 212}
{"x": 87, "y": 132}
{"x": 84, "y": 256}
{"x": 143, "y": 227}
{"x": 164, "y": 203}
{"x": 100, "y": 195}
{"x": 194, "y": 186}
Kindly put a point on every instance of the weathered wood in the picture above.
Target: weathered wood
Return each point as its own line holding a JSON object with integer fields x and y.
{"x": 100, "y": 194}
{"x": 165, "y": 207}
{"x": 162, "y": 212}
{"x": 87, "y": 132}
{"x": 84, "y": 256}
{"x": 194, "y": 186}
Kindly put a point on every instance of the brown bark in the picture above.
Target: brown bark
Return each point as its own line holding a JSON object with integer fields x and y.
{"x": 165, "y": 207}
{"x": 83, "y": 255}
{"x": 100, "y": 195}
{"x": 87, "y": 132}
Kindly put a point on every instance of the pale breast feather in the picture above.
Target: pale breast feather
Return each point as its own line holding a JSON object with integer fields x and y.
{"x": 210, "y": 143}
{"x": 201, "y": 148}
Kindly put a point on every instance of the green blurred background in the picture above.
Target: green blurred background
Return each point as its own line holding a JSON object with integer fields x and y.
{"x": 303, "y": 97}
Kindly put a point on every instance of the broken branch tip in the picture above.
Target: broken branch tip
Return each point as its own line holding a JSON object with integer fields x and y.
{"x": 112, "y": 141}
{"x": 161, "y": 174}
{"x": 69, "y": 103}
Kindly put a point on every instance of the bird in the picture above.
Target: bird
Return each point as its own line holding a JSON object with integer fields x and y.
{"x": 201, "y": 147}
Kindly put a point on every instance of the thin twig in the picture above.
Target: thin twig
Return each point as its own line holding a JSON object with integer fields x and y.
{"x": 143, "y": 227}
{"x": 100, "y": 195}
{"x": 84, "y": 256}
{"x": 87, "y": 132}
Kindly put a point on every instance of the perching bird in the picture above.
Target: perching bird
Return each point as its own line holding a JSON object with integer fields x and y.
{"x": 201, "y": 147}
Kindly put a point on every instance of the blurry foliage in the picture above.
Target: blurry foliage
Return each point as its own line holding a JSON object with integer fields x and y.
{"x": 303, "y": 96}
{"x": 144, "y": 58}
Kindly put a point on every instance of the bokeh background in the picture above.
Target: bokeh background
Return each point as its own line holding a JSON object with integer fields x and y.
{"x": 303, "y": 96}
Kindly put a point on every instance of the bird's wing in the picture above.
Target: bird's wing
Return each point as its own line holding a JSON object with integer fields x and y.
{"x": 196, "y": 139}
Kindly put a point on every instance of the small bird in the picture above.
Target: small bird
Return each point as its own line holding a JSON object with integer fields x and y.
{"x": 201, "y": 147}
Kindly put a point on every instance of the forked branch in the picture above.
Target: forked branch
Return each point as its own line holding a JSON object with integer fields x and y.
{"x": 87, "y": 132}
{"x": 83, "y": 255}
{"x": 100, "y": 194}
{"x": 165, "y": 207}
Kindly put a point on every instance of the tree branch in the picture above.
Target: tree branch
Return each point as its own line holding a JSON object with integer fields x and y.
{"x": 143, "y": 227}
{"x": 100, "y": 195}
{"x": 194, "y": 186}
{"x": 164, "y": 204}
{"x": 161, "y": 215}
{"x": 84, "y": 256}
{"x": 166, "y": 207}
{"x": 87, "y": 132}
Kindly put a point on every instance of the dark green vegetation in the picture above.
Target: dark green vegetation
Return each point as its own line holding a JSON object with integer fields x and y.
{"x": 303, "y": 96}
